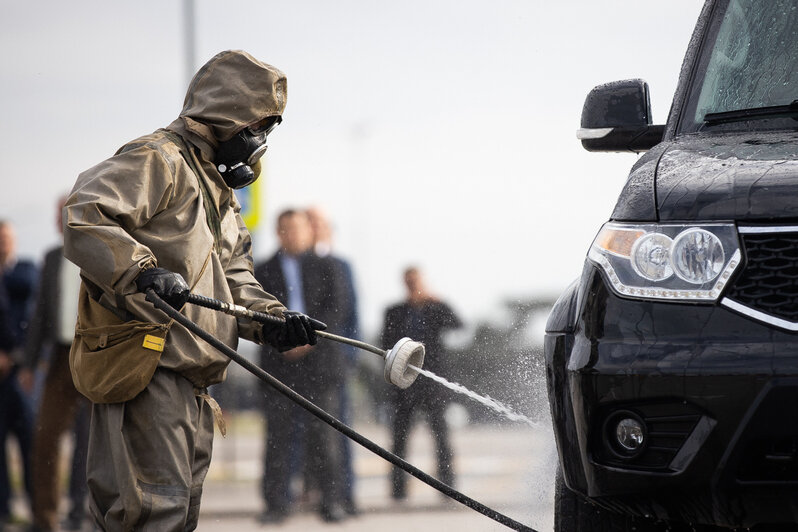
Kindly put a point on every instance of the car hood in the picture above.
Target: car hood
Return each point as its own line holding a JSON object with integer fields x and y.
{"x": 729, "y": 177}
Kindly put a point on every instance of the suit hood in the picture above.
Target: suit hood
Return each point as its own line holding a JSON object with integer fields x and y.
{"x": 230, "y": 92}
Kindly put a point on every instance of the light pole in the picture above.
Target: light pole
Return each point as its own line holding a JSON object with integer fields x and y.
{"x": 189, "y": 23}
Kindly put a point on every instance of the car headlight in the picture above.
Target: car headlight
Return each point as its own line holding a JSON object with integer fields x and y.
{"x": 667, "y": 261}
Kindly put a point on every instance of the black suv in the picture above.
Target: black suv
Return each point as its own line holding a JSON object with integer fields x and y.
{"x": 672, "y": 363}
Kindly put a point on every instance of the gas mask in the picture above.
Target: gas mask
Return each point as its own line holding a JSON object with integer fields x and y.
{"x": 236, "y": 157}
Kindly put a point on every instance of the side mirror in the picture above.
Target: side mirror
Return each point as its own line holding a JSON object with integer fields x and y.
{"x": 617, "y": 117}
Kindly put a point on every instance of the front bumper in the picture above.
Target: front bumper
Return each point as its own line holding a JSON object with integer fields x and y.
{"x": 718, "y": 394}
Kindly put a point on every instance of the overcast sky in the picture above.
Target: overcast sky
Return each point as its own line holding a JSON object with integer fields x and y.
{"x": 438, "y": 133}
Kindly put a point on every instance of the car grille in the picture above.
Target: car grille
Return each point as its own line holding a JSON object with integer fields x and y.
{"x": 769, "y": 282}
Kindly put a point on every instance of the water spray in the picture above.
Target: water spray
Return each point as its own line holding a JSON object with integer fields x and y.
{"x": 404, "y": 353}
{"x": 485, "y": 400}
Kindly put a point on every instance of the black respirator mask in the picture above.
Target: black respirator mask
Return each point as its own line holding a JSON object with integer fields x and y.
{"x": 237, "y": 159}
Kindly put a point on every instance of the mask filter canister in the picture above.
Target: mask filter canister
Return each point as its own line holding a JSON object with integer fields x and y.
{"x": 238, "y": 159}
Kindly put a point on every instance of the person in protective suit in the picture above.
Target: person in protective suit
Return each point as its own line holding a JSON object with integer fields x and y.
{"x": 161, "y": 214}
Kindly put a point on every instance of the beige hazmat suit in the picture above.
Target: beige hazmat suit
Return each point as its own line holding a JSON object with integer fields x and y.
{"x": 160, "y": 202}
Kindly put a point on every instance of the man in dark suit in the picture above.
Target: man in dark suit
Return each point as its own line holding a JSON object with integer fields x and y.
{"x": 50, "y": 336}
{"x": 350, "y": 328}
{"x": 423, "y": 318}
{"x": 306, "y": 283}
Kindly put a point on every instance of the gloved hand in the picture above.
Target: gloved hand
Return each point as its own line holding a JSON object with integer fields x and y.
{"x": 169, "y": 285}
{"x": 297, "y": 329}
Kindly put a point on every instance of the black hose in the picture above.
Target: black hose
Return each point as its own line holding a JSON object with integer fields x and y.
{"x": 331, "y": 420}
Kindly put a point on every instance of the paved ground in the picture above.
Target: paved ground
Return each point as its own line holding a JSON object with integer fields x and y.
{"x": 509, "y": 468}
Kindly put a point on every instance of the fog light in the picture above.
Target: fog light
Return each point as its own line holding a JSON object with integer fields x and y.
{"x": 629, "y": 434}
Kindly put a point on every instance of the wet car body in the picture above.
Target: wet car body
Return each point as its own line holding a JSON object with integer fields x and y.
{"x": 709, "y": 371}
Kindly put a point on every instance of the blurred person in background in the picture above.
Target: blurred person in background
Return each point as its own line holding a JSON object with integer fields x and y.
{"x": 322, "y": 246}
{"x": 16, "y": 411}
{"x": 61, "y": 406}
{"x": 424, "y": 318}
{"x": 305, "y": 281}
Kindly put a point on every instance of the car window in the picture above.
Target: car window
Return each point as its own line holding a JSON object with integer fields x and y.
{"x": 750, "y": 61}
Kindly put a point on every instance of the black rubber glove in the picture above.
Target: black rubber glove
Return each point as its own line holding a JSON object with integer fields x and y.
{"x": 169, "y": 285}
{"x": 297, "y": 329}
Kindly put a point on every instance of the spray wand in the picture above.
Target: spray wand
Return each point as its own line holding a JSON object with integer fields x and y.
{"x": 404, "y": 353}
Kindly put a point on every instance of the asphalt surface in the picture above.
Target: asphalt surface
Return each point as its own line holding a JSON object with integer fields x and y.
{"x": 509, "y": 468}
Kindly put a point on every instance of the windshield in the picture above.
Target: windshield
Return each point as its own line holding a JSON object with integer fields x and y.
{"x": 750, "y": 60}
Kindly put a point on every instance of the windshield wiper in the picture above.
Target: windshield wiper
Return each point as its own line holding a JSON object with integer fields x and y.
{"x": 755, "y": 113}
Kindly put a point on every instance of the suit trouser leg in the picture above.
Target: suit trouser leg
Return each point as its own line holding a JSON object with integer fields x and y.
{"x": 402, "y": 421}
{"x": 440, "y": 433}
{"x": 5, "y": 414}
{"x": 322, "y": 449}
{"x": 346, "y": 450}
{"x": 280, "y": 416}
{"x": 56, "y": 414}
{"x": 20, "y": 423}
{"x": 148, "y": 457}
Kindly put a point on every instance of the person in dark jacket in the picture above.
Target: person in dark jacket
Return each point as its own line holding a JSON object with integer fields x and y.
{"x": 310, "y": 284}
{"x": 16, "y": 411}
{"x": 323, "y": 247}
{"x": 423, "y": 318}
{"x": 62, "y": 408}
